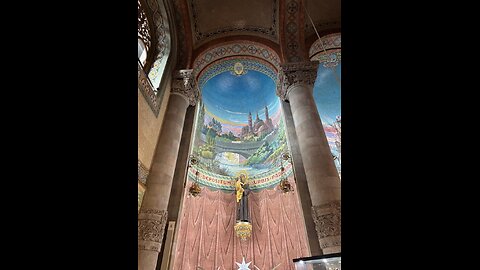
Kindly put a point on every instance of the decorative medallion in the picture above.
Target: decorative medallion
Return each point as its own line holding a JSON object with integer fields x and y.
{"x": 238, "y": 69}
{"x": 243, "y": 230}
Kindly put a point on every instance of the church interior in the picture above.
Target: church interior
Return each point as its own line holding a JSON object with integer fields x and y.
{"x": 239, "y": 134}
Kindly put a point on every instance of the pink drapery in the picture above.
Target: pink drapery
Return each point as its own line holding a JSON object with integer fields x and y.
{"x": 206, "y": 237}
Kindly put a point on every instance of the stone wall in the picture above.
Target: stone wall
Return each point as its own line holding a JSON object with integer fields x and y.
{"x": 149, "y": 127}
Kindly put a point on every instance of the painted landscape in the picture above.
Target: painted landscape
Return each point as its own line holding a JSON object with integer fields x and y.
{"x": 239, "y": 125}
{"x": 327, "y": 94}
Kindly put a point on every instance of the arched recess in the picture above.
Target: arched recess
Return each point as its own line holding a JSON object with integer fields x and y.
{"x": 327, "y": 89}
{"x": 222, "y": 57}
{"x": 239, "y": 130}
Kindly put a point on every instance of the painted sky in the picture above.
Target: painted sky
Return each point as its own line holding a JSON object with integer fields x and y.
{"x": 229, "y": 98}
{"x": 326, "y": 92}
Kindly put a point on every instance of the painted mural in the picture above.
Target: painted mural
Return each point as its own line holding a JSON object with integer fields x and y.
{"x": 327, "y": 93}
{"x": 239, "y": 126}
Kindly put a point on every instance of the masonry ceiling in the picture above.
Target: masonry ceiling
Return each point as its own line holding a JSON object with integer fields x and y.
{"x": 326, "y": 15}
{"x": 211, "y": 19}
{"x": 281, "y": 25}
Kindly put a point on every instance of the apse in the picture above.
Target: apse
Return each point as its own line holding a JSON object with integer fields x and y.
{"x": 239, "y": 127}
{"x": 327, "y": 92}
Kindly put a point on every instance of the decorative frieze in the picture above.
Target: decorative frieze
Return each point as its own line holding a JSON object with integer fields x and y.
{"x": 162, "y": 35}
{"x": 292, "y": 37}
{"x": 327, "y": 50}
{"x": 261, "y": 181}
{"x": 294, "y": 74}
{"x": 228, "y": 64}
{"x": 328, "y": 42}
{"x": 148, "y": 91}
{"x": 183, "y": 84}
{"x": 151, "y": 227}
{"x": 243, "y": 48}
{"x": 327, "y": 218}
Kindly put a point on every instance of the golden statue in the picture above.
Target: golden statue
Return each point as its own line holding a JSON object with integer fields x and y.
{"x": 241, "y": 181}
{"x": 243, "y": 227}
{"x": 239, "y": 189}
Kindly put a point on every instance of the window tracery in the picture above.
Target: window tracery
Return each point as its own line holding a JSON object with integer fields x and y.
{"x": 143, "y": 28}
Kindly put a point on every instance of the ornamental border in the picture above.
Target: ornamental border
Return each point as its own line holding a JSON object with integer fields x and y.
{"x": 212, "y": 180}
{"x": 237, "y": 48}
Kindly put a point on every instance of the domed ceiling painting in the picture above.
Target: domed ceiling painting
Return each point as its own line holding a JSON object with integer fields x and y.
{"x": 239, "y": 127}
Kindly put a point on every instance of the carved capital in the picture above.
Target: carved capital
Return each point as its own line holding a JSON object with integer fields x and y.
{"x": 294, "y": 74}
{"x": 327, "y": 218}
{"x": 151, "y": 227}
{"x": 184, "y": 84}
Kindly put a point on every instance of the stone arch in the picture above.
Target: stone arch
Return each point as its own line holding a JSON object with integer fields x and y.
{"x": 162, "y": 41}
{"x": 327, "y": 49}
{"x": 239, "y": 48}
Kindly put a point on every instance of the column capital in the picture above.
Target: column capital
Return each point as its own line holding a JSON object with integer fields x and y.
{"x": 293, "y": 74}
{"x": 183, "y": 84}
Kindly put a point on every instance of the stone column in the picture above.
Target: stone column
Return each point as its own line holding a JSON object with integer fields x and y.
{"x": 152, "y": 218}
{"x": 296, "y": 85}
